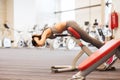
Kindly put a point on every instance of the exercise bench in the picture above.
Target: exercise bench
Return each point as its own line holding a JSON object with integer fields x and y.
{"x": 97, "y": 58}
{"x": 84, "y": 49}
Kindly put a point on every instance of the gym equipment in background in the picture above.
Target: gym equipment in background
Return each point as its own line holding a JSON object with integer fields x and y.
{"x": 66, "y": 42}
{"x": 6, "y": 40}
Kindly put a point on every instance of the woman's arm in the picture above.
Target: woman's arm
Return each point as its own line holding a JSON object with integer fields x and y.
{"x": 47, "y": 33}
{"x": 59, "y": 28}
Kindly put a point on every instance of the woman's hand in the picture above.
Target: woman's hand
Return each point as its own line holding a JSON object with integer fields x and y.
{"x": 39, "y": 42}
{"x": 36, "y": 40}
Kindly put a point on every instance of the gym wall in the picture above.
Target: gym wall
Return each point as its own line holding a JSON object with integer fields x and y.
{"x": 6, "y": 16}
{"x": 116, "y": 5}
{"x": 2, "y": 12}
{"x": 87, "y": 13}
{"x": 24, "y": 14}
{"x": 45, "y": 11}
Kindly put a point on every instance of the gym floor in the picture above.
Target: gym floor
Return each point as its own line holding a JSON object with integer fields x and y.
{"x": 35, "y": 63}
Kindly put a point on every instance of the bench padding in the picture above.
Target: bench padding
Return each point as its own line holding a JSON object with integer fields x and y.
{"x": 100, "y": 53}
{"x": 74, "y": 33}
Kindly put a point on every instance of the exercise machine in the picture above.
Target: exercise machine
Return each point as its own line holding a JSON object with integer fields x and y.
{"x": 97, "y": 58}
{"x": 84, "y": 49}
{"x": 7, "y": 43}
{"x": 61, "y": 41}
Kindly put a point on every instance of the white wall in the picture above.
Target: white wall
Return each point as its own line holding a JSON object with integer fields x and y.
{"x": 30, "y": 12}
{"x": 45, "y": 12}
{"x": 9, "y": 13}
{"x": 70, "y": 15}
{"x": 9, "y": 17}
{"x": 2, "y": 12}
{"x": 57, "y": 8}
{"x": 116, "y": 5}
{"x": 6, "y": 16}
{"x": 24, "y": 14}
{"x": 88, "y": 14}
{"x": 2, "y": 17}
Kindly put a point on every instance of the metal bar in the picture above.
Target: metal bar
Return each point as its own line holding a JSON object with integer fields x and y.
{"x": 56, "y": 12}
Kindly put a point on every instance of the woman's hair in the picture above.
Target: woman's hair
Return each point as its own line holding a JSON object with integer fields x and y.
{"x": 39, "y": 36}
{"x": 33, "y": 41}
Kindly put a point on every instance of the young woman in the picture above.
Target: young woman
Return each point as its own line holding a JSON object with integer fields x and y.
{"x": 39, "y": 40}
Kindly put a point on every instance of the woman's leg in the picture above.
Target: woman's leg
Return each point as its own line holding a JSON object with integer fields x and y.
{"x": 84, "y": 35}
